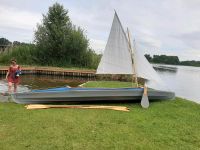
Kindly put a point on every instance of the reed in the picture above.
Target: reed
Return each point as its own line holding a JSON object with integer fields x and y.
{"x": 30, "y": 54}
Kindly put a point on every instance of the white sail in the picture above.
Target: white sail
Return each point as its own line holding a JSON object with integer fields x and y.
{"x": 145, "y": 70}
{"x": 116, "y": 58}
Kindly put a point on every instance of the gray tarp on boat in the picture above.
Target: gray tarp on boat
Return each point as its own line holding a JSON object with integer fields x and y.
{"x": 87, "y": 94}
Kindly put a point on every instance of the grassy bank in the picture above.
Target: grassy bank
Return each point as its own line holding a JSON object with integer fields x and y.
{"x": 172, "y": 124}
{"x": 109, "y": 84}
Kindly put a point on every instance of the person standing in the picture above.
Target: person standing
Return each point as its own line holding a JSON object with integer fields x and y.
{"x": 12, "y": 75}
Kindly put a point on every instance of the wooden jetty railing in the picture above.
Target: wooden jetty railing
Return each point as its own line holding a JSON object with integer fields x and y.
{"x": 52, "y": 71}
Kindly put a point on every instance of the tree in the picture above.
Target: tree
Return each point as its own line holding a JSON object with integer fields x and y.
{"x": 52, "y": 35}
{"x": 16, "y": 43}
{"x": 77, "y": 47}
{"x": 4, "y": 43}
{"x": 174, "y": 60}
{"x": 148, "y": 57}
{"x": 57, "y": 42}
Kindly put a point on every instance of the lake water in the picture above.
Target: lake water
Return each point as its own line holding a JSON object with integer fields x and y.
{"x": 29, "y": 82}
{"x": 183, "y": 80}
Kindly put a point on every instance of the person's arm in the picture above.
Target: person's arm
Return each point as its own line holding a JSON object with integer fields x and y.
{"x": 7, "y": 73}
{"x": 19, "y": 68}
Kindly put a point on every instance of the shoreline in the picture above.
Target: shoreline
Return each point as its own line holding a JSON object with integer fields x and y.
{"x": 76, "y": 72}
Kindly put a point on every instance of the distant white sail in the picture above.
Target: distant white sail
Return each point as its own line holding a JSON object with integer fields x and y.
{"x": 116, "y": 58}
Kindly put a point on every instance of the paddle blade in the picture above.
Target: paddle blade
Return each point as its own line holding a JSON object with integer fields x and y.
{"x": 145, "y": 101}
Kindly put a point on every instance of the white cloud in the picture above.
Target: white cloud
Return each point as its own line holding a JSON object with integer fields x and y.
{"x": 18, "y": 19}
{"x": 18, "y": 24}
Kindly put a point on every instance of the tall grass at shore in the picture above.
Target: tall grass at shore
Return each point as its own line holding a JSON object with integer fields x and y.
{"x": 30, "y": 54}
{"x": 25, "y": 54}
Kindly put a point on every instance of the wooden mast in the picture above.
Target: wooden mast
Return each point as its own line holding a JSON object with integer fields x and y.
{"x": 132, "y": 57}
{"x": 145, "y": 99}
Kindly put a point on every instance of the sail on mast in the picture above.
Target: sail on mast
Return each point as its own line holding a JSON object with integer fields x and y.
{"x": 146, "y": 71}
{"x": 116, "y": 58}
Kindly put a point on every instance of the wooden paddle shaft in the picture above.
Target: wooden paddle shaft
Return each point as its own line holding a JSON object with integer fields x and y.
{"x": 145, "y": 90}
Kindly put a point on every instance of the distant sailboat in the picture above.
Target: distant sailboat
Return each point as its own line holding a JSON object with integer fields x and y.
{"x": 119, "y": 58}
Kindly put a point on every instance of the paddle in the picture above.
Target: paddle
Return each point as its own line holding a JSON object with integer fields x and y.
{"x": 145, "y": 99}
{"x": 39, "y": 106}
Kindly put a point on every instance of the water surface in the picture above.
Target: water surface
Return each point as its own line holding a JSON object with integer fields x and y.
{"x": 29, "y": 82}
{"x": 183, "y": 80}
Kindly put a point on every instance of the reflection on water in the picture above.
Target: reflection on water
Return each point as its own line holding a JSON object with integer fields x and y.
{"x": 185, "y": 81}
{"x": 29, "y": 82}
{"x": 45, "y": 81}
{"x": 162, "y": 68}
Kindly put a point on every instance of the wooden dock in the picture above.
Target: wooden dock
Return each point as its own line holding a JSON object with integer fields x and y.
{"x": 52, "y": 71}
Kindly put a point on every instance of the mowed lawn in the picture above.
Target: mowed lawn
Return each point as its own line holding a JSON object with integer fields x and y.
{"x": 173, "y": 124}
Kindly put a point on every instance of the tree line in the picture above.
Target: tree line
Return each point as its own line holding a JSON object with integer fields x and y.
{"x": 171, "y": 60}
{"x": 57, "y": 42}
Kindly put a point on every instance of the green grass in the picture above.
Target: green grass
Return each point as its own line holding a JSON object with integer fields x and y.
{"x": 172, "y": 124}
{"x": 109, "y": 84}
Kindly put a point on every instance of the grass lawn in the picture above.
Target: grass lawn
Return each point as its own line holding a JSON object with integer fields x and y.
{"x": 108, "y": 84}
{"x": 172, "y": 124}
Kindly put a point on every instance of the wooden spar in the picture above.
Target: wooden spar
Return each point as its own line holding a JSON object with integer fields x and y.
{"x": 145, "y": 99}
{"x": 132, "y": 57}
{"x": 40, "y": 106}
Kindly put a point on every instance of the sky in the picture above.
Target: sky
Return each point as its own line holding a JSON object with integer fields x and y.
{"x": 170, "y": 27}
